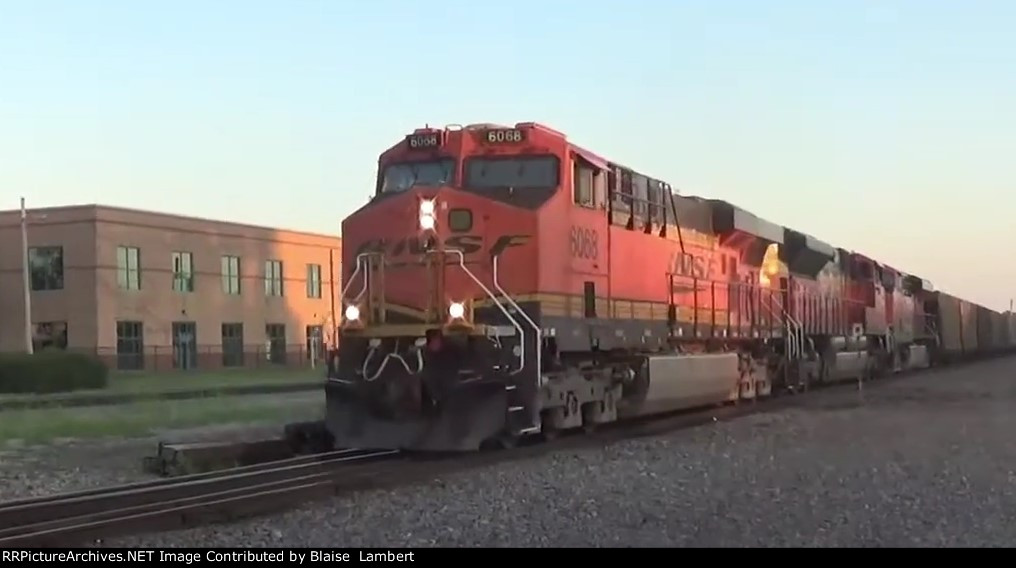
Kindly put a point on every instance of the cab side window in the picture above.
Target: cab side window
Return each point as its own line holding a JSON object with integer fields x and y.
{"x": 600, "y": 187}
{"x": 619, "y": 196}
{"x": 582, "y": 181}
{"x": 587, "y": 182}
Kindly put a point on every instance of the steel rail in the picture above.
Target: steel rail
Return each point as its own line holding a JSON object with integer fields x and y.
{"x": 56, "y": 519}
{"x": 314, "y": 458}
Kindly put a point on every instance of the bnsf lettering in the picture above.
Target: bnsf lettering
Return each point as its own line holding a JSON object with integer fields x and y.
{"x": 505, "y": 241}
{"x": 693, "y": 266}
{"x": 468, "y": 244}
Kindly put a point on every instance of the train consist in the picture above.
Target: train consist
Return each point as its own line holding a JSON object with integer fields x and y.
{"x": 504, "y": 282}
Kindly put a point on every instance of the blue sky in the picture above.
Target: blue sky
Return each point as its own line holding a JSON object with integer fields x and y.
{"x": 885, "y": 127}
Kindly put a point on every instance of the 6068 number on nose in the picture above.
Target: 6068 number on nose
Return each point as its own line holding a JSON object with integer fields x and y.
{"x": 421, "y": 141}
{"x": 511, "y": 136}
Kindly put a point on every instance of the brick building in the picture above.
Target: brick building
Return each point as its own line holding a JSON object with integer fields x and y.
{"x": 148, "y": 290}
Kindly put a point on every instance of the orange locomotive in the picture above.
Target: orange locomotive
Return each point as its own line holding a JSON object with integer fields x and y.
{"x": 504, "y": 282}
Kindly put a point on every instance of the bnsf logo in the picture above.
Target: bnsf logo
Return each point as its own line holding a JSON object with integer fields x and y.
{"x": 468, "y": 244}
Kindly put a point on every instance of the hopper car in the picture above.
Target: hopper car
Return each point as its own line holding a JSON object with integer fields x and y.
{"x": 503, "y": 282}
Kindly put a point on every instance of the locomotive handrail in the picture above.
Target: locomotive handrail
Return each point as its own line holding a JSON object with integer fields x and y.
{"x": 515, "y": 323}
{"x": 766, "y": 304}
{"x": 795, "y": 331}
{"x": 384, "y": 363}
{"x": 352, "y": 277}
{"x": 799, "y": 325}
{"x": 746, "y": 314}
{"x": 536, "y": 328}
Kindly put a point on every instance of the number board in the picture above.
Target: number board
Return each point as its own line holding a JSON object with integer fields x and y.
{"x": 504, "y": 136}
{"x": 585, "y": 243}
{"x": 424, "y": 141}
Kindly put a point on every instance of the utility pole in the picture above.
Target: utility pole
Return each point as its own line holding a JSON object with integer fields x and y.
{"x": 25, "y": 280}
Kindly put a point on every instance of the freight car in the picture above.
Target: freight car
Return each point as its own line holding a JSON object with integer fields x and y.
{"x": 504, "y": 282}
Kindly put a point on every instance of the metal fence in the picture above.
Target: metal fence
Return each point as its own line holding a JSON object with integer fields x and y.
{"x": 165, "y": 358}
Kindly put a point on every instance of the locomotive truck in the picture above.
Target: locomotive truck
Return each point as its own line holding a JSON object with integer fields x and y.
{"x": 504, "y": 282}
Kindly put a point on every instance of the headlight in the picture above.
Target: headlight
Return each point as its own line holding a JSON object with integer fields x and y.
{"x": 427, "y": 213}
{"x": 352, "y": 313}
{"x": 456, "y": 310}
{"x": 426, "y": 222}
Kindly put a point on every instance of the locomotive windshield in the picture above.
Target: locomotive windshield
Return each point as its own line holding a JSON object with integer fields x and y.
{"x": 520, "y": 172}
{"x": 400, "y": 177}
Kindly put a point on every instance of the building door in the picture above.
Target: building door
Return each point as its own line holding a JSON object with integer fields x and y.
{"x": 275, "y": 334}
{"x": 130, "y": 346}
{"x": 185, "y": 348}
{"x": 315, "y": 343}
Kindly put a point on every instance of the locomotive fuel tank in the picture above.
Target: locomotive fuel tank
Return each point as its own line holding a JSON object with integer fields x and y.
{"x": 684, "y": 381}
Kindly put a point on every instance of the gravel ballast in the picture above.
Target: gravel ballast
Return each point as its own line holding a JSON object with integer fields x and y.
{"x": 70, "y": 464}
{"x": 927, "y": 460}
{"x": 74, "y": 465}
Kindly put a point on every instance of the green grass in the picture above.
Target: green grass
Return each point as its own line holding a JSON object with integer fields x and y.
{"x": 171, "y": 381}
{"x": 140, "y": 419}
{"x": 191, "y": 380}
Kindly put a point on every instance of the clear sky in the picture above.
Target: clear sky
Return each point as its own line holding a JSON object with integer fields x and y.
{"x": 880, "y": 126}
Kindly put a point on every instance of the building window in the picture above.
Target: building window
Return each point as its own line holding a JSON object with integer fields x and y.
{"x": 49, "y": 335}
{"x": 183, "y": 272}
{"x": 232, "y": 345}
{"x": 273, "y": 278}
{"x": 128, "y": 268}
{"x": 47, "y": 268}
{"x": 130, "y": 345}
{"x": 231, "y": 275}
{"x": 185, "y": 345}
{"x": 275, "y": 343}
{"x": 313, "y": 280}
{"x": 315, "y": 337}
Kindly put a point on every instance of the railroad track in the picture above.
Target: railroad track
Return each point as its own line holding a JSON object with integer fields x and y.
{"x": 90, "y": 516}
{"x": 73, "y": 519}
{"x": 82, "y": 516}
